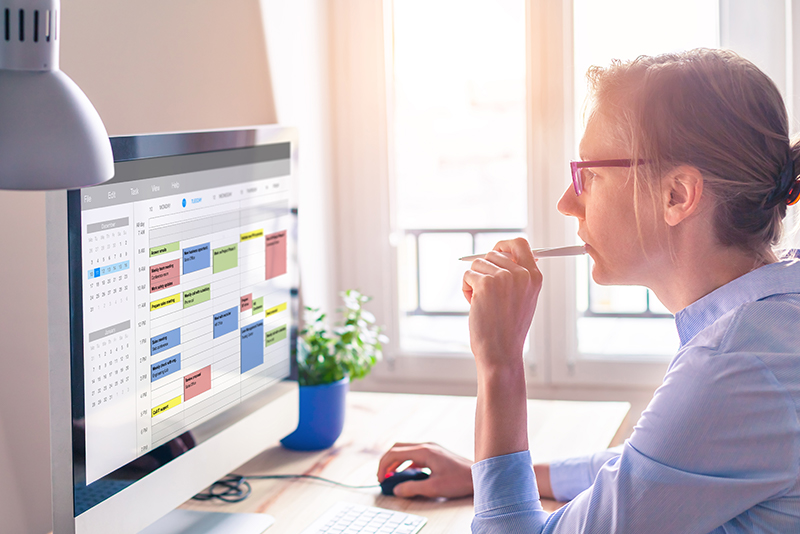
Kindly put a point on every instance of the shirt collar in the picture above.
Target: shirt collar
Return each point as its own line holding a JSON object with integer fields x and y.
{"x": 773, "y": 279}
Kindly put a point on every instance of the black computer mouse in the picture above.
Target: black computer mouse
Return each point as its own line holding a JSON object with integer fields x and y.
{"x": 388, "y": 484}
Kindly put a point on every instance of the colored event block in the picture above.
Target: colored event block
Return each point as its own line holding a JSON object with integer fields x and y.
{"x": 196, "y": 257}
{"x": 196, "y": 383}
{"x": 252, "y": 349}
{"x": 164, "y": 275}
{"x": 197, "y": 295}
{"x": 226, "y": 321}
{"x": 275, "y": 335}
{"x": 275, "y": 254}
{"x": 246, "y": 302}
{"x": 275, "y": 309}
{"x": 161, "y": 408}
{"x": 226, "y": 257}
{"x": 167, "y": 301}
{"x": 165, "y": 367}
{"x": 164, "y": 249}
{"x": 165, "y": 341}
{"x": 251, "y": 235}
{"x": 258, "y": 305}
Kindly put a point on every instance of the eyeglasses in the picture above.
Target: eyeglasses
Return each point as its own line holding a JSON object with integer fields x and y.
{"x": 577, "y": 175}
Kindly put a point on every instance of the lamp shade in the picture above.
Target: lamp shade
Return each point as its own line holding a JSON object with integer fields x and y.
{"x": 51, "y": 137}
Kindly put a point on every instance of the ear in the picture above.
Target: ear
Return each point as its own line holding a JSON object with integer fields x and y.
{"x": 682, "y": 189}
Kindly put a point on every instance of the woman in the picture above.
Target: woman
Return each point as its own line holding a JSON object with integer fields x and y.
{"x": 686, "y": 176}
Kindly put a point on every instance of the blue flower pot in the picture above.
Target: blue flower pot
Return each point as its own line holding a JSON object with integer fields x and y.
{"x": 321, "y": 417}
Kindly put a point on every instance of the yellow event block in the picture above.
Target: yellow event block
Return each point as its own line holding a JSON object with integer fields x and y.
{"x": 161, "y": 408}
{"x": 158, "y": 304}
{"x": 251, "y": 235}
{"x": 276, "y": 309}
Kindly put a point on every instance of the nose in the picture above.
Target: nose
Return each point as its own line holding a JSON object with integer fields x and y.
{"x": 570, "y": 204}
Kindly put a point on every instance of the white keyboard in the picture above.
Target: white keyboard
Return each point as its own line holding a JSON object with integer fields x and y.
{"x": 347, "y": 518}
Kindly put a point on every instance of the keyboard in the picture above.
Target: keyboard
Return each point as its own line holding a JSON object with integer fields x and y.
{"x": 348, "y": 518}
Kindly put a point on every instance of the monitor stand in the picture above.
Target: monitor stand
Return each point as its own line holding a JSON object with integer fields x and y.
{"x": 193, "y": 522}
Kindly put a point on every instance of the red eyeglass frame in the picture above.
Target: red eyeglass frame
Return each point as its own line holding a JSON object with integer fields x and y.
{"x": 574, "y": 166}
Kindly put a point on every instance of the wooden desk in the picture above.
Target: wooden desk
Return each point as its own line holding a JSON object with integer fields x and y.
{"x": 374, "y": 422}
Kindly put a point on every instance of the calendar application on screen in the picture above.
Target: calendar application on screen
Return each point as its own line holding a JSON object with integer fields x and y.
{"x": 185, "y": 295}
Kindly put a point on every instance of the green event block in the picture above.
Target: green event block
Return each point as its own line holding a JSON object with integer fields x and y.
{"x": 197, "y": 295}
{"x": 165, "y": 249}
{"x": 273, "y": 336}
{"x": 226, "y": 257}
{"x": 258, "y": 305}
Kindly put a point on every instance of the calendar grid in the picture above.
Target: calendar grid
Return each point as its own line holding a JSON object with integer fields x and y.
{"x": 189, "y": 302}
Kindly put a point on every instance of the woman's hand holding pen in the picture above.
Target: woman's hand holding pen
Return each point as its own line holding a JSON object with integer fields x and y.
{"x": 502, "y": 290}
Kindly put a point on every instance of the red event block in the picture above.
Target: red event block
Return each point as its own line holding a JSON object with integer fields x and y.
{"x": 165, "y": 275}
{"x": 246, "y": 302}
{"x": 196, "y": 383}
{"x": 275, "y": 254}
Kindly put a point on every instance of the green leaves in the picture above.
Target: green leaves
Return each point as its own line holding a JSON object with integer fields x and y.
{"x": 351, "y": 349}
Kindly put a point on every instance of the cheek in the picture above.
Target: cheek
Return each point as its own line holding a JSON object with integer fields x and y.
{"x": 613, "y": 233}
{"x": 611, "y": 219}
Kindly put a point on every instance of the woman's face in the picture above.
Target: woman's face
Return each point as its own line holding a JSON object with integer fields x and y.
{"x": 605, "y": 212}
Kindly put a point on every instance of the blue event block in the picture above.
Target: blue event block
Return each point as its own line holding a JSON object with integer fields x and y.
{"x": 196, "y": 257}
{"x": 165, "y": 341}
{"x": 252, "y": 346}
{"x": 226, "y": 321}
{"x": 165, "y": 367}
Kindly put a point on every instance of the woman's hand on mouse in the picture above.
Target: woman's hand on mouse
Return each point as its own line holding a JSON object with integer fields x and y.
{"x": 451, "y": 476}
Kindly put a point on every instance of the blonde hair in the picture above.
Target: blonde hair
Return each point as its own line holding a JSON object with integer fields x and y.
{"x": 717, "y": 112}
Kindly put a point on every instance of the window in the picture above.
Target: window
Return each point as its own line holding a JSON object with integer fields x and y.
{"x": 458, "y": 79}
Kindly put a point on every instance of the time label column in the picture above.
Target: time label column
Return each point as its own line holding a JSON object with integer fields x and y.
{"x": 142, "y": 298}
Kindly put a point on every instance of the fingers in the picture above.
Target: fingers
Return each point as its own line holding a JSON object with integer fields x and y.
{"x": 520, "y": 252}
{"x": 416, "y": 488}
{"x": 512, "y": 256}
{"x": 417, "y": 453}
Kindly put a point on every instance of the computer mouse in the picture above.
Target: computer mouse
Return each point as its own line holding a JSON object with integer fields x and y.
{"x": 393, "y": 479}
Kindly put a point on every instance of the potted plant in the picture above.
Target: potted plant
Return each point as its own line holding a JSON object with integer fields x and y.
{"x": 328, "y": 358}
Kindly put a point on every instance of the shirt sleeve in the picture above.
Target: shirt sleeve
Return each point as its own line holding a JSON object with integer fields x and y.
{"x": 571, "y": 476}
{"x": 720, "y": 436}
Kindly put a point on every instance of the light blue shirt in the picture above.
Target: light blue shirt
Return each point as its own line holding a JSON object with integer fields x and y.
{"x": 717, "y": 449}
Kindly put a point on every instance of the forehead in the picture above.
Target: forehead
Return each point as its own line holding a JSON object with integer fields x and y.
{"x": 602, "y": 140}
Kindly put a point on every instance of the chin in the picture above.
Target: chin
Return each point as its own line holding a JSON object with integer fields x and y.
{"x": 601, "y": 279}
{"x": 604, "y": 277}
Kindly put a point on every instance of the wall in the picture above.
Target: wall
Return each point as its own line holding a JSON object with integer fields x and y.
{"x": 152, "y": 66}
{"x": 24, "y": 407}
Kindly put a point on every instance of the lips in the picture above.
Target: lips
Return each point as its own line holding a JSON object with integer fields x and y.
{"x": 586, "y": 244}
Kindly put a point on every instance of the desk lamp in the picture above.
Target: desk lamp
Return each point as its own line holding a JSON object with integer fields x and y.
{"x": 51, "y": 137}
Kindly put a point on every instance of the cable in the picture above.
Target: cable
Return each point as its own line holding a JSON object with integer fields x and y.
{"x": 313, "y": 477}
{"x": 236, "y": 488}
{"x": 232, "y": 488}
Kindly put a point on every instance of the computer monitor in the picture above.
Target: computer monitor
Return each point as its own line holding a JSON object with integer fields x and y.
{"x": 172, "y": 316}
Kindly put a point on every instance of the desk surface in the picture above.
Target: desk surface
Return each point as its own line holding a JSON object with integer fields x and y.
{"x": 374, "y": 422}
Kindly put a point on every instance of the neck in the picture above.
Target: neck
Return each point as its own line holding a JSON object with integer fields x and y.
{"x": 698, "y": 268}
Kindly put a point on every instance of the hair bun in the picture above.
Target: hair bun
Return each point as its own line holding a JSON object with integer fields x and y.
{"x": 786, "y": 188}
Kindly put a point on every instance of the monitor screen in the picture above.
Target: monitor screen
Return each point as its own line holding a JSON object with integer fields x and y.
{"x": 181, "y": 315}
